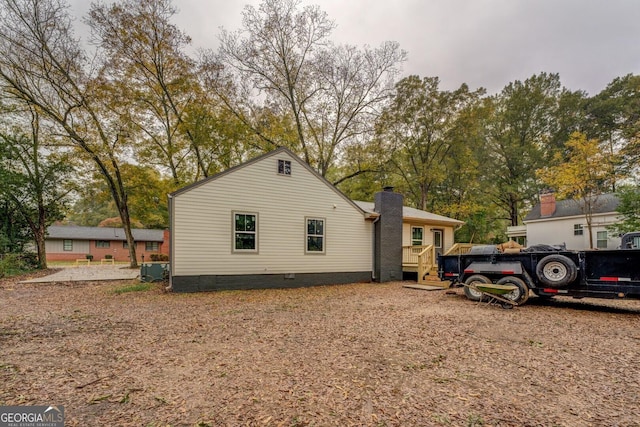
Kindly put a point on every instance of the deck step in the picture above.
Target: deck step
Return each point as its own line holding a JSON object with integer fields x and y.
{"x": 432, "y": 279}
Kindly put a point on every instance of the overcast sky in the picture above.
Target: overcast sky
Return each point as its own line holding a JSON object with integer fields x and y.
{"x": 484, "y": 43}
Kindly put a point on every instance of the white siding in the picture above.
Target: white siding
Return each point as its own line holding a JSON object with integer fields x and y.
{"x": 448, "y": 234}
{"x": 558, "y": 231}
{"x": 406, "y": 233}
{"x": 202, "y": 224}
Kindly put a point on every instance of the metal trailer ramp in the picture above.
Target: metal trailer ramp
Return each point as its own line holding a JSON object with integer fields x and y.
{"x": 425, "y": 287}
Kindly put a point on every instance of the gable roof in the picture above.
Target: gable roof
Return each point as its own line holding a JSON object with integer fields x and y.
{"x": 275, "y": 152}
{"x": 367, "y": 208}
{"x": 412, "y": 213}
{"x": 102, "y": 233}
{"x": 607, "y": 203}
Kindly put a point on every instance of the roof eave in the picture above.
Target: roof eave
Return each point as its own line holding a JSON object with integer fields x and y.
{"x": 452, "y": 223}
{"x": 558, "y": 218}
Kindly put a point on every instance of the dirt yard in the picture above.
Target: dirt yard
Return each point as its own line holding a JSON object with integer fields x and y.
{"x": 360, "y": 355}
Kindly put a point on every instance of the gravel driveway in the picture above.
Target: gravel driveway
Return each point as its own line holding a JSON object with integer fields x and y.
{"x": 87, "y": 273}
{"x": 361, "y": 355}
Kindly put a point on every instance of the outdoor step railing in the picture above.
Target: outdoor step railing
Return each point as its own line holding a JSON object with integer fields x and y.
{"x": 410, "y": 254}
{"x": 459, "y": 249}
{"x": 424, "y": 257}
{"x": 426, "y": 262}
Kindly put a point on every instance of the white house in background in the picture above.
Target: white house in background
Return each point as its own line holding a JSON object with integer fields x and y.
{"x": 275, "y": 222}
{"x": 556, "y": 222}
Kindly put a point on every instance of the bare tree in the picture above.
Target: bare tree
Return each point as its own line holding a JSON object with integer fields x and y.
{"x": 283, "y": 56}
{"x": 44, "y": 66}
{"x": 155, "y": 79}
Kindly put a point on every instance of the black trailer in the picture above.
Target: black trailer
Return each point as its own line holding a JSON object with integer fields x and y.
{"x": 546, "y": 271}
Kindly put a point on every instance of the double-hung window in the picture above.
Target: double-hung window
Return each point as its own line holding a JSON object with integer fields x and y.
{"x": 315, "y": 234}
{"x": 67, "y": 245}
{"x": 417, "y": 236}
{"x": 578, "y": 230}
{"x": 245, "y": 232}
{"x": 102, "y": 243}
{"x": 150, "y": 246}
{"x": 284, "y": 167}
{"x": 602, "y": 240}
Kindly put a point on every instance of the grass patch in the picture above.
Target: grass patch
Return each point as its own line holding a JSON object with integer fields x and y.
{"x": 134, "y": 287}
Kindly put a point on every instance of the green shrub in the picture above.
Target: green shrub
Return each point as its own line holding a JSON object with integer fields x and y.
{"x": 14, "y": 264}
{"x": 29, "y": 260}
{"x": 159, "y": 257}
{"x": 89, "y": 257}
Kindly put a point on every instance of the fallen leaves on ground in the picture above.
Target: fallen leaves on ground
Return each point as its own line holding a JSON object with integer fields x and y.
{"x": 360, "y": 355}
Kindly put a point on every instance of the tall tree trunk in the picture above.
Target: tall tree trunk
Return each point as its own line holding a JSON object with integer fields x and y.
{"x": 40, "y": 246}
{"x": 126, "y": 224}
{"x": 513, "y": 210}
{"x": 589, "y": 218}
{"x": 39, "y": 234}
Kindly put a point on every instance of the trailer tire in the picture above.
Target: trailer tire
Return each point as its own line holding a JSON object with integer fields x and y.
{"x": 518, "y": 296}
{"x": 472, "y": 294}
{"x": 556, "y": 271}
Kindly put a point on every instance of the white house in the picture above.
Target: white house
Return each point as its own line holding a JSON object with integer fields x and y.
{"x": 563, "y": 222}
{"x": 275, "y": 222}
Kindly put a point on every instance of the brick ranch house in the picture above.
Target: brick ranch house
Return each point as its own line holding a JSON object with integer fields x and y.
{"x": 68, "y": 243}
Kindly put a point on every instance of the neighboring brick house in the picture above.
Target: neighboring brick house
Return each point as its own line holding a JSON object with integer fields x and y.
{"x": 68, "y": 243}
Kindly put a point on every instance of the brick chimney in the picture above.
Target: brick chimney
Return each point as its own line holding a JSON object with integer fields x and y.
{"x": 388, "y": 235}
{"x": 547, "y": 204}
{"x": 164, "y": 247}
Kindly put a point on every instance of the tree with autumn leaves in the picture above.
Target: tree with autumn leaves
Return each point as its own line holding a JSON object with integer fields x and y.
{"x": 582, "y": 173}
{"x": 143, "y": 117}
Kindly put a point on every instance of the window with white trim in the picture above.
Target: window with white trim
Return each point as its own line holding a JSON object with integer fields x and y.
{"x": 578, "y": 230}
{"x": 245, "y": 232}
{"x": 602, "y": 239}
{"x": 67, "y": 245}
{"x": 315, "y": 235}
{"x": 284, "y": 167}
{"x": 417, "y": 234}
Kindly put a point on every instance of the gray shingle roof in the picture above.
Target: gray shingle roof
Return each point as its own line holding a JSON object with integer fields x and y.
{"x": 606, "y": 203}
{"x": 102, "y": 233}
{"x": 408, "y": 212}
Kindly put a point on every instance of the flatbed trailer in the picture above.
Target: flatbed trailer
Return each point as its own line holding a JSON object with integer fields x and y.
{"x": 579, "y": 274}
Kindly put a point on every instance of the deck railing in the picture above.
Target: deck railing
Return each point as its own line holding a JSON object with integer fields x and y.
{"x": 459, "y": 249}
{"x": 426, "y": 261}
{"x": 410, "y": 254}
{"x": 423, "y": 257}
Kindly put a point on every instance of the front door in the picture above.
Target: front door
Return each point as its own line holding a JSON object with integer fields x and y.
{"x": 438, "y": 235}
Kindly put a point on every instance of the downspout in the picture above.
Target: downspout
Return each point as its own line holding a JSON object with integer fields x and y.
{"x": 373, "y": 248}
{"x": 171, "y": 242}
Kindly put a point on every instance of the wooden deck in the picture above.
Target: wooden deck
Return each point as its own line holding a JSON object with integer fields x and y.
{"x": 422, "y": 260}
